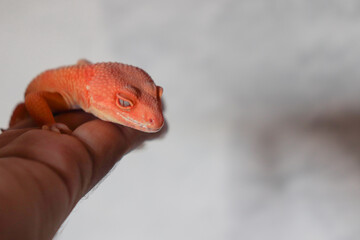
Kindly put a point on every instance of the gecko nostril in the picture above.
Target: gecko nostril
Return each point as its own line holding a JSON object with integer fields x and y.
{"x": 151, "y": 120}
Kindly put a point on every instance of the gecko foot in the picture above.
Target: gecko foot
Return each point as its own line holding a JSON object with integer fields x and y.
{"x": 57, "y": 127}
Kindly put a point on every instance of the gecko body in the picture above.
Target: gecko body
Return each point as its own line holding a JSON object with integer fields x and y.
{"x": 114, "y": 92}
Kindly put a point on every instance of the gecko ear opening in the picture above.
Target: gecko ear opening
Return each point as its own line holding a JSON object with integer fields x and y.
{"x": 123, "y": 102}
{"x": 159, "y": 90}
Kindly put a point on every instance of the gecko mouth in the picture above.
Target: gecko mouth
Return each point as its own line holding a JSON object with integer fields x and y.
{"x": 129, "y": 122}
{"x": 139, "y": 124}
{"x": 133, "y": 121}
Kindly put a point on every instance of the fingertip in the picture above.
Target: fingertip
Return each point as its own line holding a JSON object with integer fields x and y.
{"x": 105, "y": 141}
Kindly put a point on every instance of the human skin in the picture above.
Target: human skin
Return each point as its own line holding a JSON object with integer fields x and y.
{"x": 43, "y": 174}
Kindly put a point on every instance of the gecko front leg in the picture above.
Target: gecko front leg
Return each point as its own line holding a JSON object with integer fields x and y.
{"x": 41, "y": 105}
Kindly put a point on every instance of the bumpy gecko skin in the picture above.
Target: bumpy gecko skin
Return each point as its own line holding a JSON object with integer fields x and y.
{"x": 113, "y": 92}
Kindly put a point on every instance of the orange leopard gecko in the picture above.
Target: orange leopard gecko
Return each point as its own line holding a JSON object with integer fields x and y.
{"x": 113, "y": 92}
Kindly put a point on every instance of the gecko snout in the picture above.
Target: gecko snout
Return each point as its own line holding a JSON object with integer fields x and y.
{"x": 155, "y": 123}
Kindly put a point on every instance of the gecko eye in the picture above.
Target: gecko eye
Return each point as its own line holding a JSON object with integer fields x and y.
{"x": 123, "y": 102}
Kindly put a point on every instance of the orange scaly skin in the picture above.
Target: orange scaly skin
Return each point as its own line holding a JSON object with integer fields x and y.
{"x": 113, "y": 92}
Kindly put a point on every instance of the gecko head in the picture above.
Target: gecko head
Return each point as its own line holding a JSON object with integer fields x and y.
{"x": 125, "y": 95}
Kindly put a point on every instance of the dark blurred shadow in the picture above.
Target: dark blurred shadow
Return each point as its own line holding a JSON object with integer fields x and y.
{"x": 271, "y": 152}
{"x": 342, "y": 126}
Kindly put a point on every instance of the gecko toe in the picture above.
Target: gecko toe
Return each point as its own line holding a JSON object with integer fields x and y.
{"x": 58, "y": 128}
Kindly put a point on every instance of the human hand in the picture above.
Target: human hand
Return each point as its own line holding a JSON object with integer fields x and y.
{"x": 44, "y": 174}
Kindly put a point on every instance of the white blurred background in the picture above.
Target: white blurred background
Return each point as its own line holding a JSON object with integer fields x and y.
{"x": 263, "y": 108}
